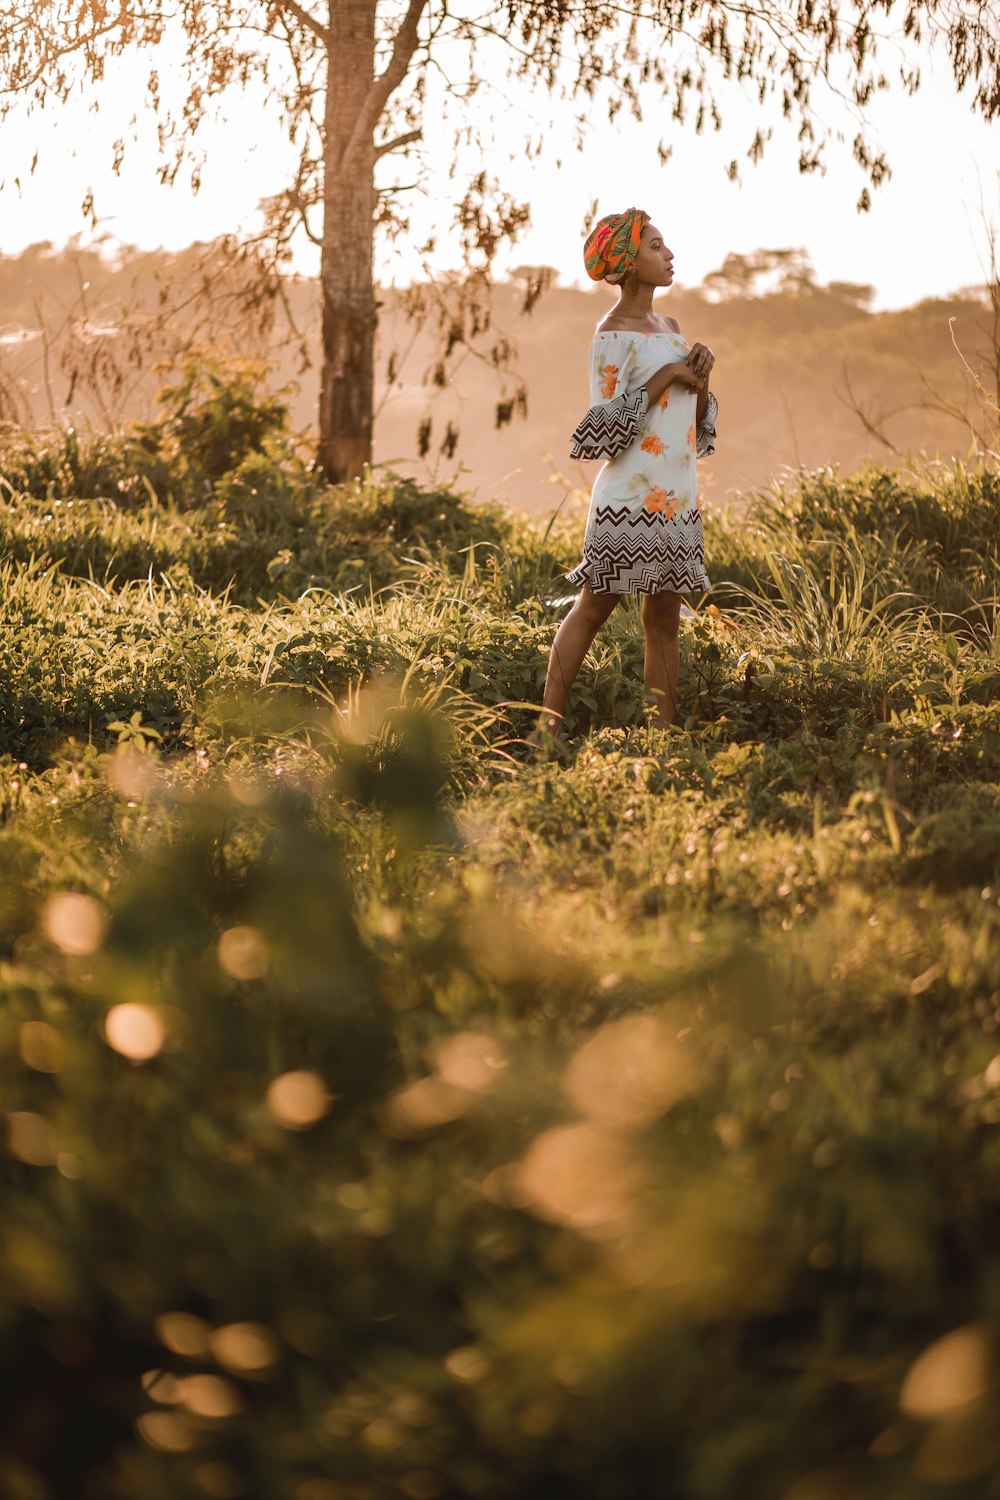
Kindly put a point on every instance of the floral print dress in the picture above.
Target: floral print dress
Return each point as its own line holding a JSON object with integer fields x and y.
{"x": 644, "y": 530}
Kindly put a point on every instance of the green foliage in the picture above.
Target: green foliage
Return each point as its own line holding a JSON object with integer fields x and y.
{"x": 934, "y": 533}
{"x": 60, "y": 466}
{"x": 390, "y": 1116}
{"x": 217, "y": 488}
{"x": 217, "y": 414}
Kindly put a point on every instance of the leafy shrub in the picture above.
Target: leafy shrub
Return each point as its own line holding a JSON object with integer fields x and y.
{"x": 126, "y": 468}
{"x": 934, "y": 534}
{"x": 212, "y": 418}
{"x": 217, "y": 414}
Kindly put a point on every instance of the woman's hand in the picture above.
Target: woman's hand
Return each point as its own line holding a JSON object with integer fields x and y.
{"x": 683, "y": 371}
{"x": 701, "y": 360}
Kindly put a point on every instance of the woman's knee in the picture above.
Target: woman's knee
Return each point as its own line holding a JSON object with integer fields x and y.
{"x": 595, "y": 608}
{"x": 662, "y": 611}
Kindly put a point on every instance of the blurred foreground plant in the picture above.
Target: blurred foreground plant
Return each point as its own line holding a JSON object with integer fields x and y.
{"x": 332, "y": 1172}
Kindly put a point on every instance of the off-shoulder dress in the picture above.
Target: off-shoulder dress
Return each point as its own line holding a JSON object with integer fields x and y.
{"x": 644, "y": 529}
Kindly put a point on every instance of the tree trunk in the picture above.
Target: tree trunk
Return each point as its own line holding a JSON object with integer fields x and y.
{"x": 346, "y": 268}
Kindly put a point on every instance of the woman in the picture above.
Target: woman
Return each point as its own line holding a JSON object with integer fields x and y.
{"x": 644, "y": 530}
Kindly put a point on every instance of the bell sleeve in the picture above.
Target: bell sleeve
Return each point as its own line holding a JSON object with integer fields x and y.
{"x": 616, "y": 414}
{"x": 706, "y": 428}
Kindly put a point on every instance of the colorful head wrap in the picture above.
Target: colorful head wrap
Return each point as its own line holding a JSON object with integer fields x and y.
{"x": 611, "y": 247}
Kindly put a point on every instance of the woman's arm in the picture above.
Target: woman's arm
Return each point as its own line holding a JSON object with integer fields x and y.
{"x": 680, "y": 372}
{"x": 702, "y": 361}
{"x": 614, "y": 418}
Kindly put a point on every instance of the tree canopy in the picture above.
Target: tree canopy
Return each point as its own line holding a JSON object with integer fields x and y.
{"x": 349, "y": 82}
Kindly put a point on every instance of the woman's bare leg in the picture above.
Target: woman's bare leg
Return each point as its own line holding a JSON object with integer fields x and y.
{"x": 573, "y": 640}
{"x": 661, "y": 618}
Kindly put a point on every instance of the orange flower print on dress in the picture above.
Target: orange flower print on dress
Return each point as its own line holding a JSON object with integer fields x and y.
{"x": 692, "y": 439}
{"x": 664, "y": 400}
{"x": 610, "y": 380}
{"x": 652, "y": 444}
{"x": 660, "y": 500}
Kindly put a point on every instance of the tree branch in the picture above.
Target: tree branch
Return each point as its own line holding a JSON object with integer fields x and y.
{"x": 386, "y": 83}
{"x": 308, "y": 21}
{"x": 397, "y": 142}
{"x": 873, "y": 425}
{"x": 971, "y": 372}
{"x": 949, "y": 409}
{"x": 51, "y": 53}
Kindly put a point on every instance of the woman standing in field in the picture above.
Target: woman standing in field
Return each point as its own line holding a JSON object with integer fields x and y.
{"x": 652, "y": 416}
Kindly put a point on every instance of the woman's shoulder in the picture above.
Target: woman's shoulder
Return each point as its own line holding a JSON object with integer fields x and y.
{"x": 614, "y": 326}
{"x": 615, "y": 331}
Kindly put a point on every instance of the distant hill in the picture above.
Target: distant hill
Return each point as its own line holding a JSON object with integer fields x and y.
{"x": 79, "y": 334}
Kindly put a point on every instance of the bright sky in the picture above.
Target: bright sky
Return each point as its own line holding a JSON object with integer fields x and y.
{"x": 923, "y": 236}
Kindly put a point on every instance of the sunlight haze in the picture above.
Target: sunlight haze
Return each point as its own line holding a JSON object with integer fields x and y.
{"x": 924, "y": 235}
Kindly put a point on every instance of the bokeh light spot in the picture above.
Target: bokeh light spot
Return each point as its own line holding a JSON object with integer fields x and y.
{"x": 244, "y": 1347}
{"x": 243, "y": 953}
{"x": 471, "y": 1060}
{"x": 383, "y": 1436}
{"x": 135, "y": 1031}
{"x": 248, "y": 791}
{"x": 583, "y": 1175}
{"x": 31, "y": 1138}
{"x": 161, "y": 1386}
{"x": 467, "y": 1364}
{"x": 74, "y": 922}
{"x": 631, "y": 1071}
{"x": 424, "y": 1105}
{"x": 182, "y": 1333}
{"x": 209, "y": 1396}
{"x": 41, "y": 1047}
{"x": 131, "y": 773}
{"x": 165, "y": 1432}
{"x": 952, "y": 1372}
{"x": 298, "y": 1099}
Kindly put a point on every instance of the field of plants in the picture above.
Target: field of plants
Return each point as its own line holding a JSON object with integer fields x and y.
{"x": 394, "y": 1113}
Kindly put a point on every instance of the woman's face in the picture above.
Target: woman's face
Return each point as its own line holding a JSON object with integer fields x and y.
{"x": 654, "y": 263}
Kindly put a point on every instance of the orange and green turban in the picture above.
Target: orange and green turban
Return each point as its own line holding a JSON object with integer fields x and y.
{"x": 611, "y": 247}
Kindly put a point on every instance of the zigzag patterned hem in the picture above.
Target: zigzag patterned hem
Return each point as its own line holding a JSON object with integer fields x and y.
{"x": 612, "y": 576}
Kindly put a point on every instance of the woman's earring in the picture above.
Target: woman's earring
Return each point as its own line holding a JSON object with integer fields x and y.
{"x": 630, "y": 284}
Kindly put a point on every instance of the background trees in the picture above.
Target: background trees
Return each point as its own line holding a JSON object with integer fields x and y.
{"x": 809, "y": 375}
{"x": 349, "y": 82}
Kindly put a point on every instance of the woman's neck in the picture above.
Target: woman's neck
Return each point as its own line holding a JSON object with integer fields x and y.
{"x": 638, "y": 306}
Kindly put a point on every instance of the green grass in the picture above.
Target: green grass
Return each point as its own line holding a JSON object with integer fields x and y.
{"x": 648, "y": 1143}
